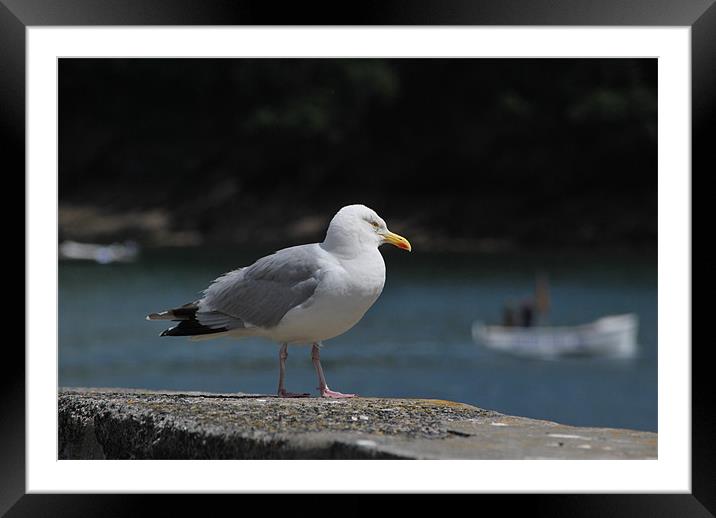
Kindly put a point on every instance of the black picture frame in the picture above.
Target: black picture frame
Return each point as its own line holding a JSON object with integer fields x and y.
{"x": 17, "y": 15}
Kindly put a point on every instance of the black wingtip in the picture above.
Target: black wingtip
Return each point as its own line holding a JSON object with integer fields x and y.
{"x": 191, "y": 328}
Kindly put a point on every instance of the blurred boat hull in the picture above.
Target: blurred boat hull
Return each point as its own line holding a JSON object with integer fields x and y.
{"x": 102, "y": 254}
{"x": 613, "y": 335}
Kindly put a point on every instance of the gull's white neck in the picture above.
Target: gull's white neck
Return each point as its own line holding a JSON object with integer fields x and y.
{"x": 348, "y": 248}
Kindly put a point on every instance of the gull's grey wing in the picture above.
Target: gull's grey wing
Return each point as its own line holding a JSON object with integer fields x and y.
{"x": 261, "y": 294}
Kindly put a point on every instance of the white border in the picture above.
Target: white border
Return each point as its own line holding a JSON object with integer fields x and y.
{"x": 670, "y": 473}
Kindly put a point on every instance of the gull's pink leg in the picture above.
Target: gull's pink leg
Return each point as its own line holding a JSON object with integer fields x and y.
{"x": 322, "y": 385}
{"x": 282, "y": 392}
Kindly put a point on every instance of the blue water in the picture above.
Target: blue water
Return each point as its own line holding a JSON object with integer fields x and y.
{"x": 414, "y": 342}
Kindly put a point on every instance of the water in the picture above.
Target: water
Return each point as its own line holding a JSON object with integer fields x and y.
{"x": 414, "y": 342}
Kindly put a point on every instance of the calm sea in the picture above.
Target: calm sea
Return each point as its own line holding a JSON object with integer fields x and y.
{"x": 415, "y": 341}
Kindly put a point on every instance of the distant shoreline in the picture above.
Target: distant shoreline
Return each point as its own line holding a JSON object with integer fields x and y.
{"x": 157, "y": 228}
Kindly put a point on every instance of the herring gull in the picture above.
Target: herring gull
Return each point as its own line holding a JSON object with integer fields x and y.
{"x": 299, "y": 295}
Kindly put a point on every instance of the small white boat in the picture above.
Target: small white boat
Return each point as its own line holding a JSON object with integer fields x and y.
{"x": 102, "y": 254}
{"x": 613, "y": 335}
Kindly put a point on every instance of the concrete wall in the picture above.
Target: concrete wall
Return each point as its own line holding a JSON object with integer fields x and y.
{"x": 142, "y": 424}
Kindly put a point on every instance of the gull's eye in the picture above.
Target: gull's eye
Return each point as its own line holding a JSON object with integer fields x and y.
{"x": 375, "y": 224}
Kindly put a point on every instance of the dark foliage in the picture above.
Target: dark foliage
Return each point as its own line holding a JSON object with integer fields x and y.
{"x": 529, "y": 151}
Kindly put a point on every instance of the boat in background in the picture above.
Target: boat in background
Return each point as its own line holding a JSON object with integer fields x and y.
{"x": 102, "y": 254}
{"x": 613, "y": 335}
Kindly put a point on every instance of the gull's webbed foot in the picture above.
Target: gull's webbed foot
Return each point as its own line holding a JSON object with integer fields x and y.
{"x": 328, "y": 393}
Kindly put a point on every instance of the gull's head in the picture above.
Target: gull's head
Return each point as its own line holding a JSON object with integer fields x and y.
{"x": 359, "y": 226}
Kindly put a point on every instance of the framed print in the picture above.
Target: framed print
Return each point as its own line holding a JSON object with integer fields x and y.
{"x": 548, "y": 147}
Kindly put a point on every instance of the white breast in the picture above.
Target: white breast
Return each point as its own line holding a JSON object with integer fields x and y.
{"x": 347, "y": 289}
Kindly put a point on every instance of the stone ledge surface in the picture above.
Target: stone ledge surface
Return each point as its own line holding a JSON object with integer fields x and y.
{"x": 143, "y": 424}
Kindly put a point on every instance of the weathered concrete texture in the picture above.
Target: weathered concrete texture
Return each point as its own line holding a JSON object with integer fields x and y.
{"x": 142, "y": 424}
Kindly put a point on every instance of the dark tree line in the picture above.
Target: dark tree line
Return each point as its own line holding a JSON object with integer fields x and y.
{"x": 531, "y": 151}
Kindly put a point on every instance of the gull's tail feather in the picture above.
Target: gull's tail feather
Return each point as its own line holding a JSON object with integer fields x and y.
{"x": 188, "y": 324}
{"x": 185, "y": 312}
{"x": 191, "y": 328}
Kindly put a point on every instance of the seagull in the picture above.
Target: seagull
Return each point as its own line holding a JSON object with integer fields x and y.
{"x": 304, "y": 294}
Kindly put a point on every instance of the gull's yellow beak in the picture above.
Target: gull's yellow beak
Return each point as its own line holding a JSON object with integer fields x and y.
{"x": 396, "y": 240}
